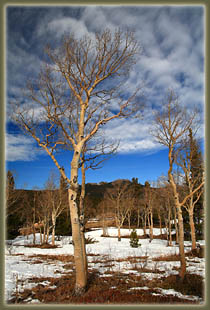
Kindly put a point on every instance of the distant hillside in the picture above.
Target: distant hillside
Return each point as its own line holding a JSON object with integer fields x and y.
{"x": 27, "y": 203}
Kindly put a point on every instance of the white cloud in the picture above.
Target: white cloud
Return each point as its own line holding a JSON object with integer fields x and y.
{"x": 172, "y": 38}
{"x": 67, "y": 25}
{"x": 134, "y": 135}
{"x": 19, "y": 147}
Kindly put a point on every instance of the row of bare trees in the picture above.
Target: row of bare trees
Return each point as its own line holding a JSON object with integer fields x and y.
{"x": 130, "y": 202}
{"x": 171, "y": 128}
{"x": 37, "y": 209}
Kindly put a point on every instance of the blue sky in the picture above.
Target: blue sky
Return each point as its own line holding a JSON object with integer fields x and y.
{"x": 172, "y": 38}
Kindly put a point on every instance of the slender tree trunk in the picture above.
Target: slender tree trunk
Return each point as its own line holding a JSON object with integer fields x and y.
{"x": 176, "y": 228}
{"x": 129, "y": 222}
{"x": 148, "y": 222}
{"x": 180, "y": 218}
{"x": 119, "y": 235}
{"x": 81, "y": 274}
{"x": 53, "y": 235}
{"x": 48, "y": 232}
{"x": 34, "y": 235}
{"x": 40, "y": 233}
{"x": 169, "y": 227}
{"x": 118, "y": 219}
{"x": 192, "y": 229}
{"x": 105, "y": 230}
{"x": 138, "y": 219}
{"x": 181, "y": 243}
{"x": 166, "y": 225}
{"x": 53, "y": 230}
{"x": 151, "y": 226}
{"x": 160, "y": 224}
{"x": 44, "y": 234}
{"x": 145, "y": 224}
{"x": 82, "y": 207}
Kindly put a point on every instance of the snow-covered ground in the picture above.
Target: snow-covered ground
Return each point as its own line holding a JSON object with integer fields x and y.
{"x": 20, "y": 265}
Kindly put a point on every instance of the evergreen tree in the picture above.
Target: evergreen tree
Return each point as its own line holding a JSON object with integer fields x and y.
{"x": 134, "y": 241}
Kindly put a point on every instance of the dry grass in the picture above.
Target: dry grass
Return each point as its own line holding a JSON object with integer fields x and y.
{"x": 167, "y": 258}
{"x": 62, "y": 258}
{"x": 113, "y": 287}
{"x": 41, "y": 246}
{"x": 192, "y": 284}
{"x": 116, "y": 289}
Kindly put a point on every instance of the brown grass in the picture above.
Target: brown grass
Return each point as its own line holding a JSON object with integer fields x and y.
{"x": 167, "y": 258}
{"x": 62, "y": 258}
{"x": 192, "y": 284}
{"x": 108, "y": 290}
{"x": 41, "y": 246}
{"x": 116, "y": 288}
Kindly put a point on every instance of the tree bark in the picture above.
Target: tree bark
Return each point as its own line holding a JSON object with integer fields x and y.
{"x": 151, "y": 226}
{"x": 53, "y": 231}
{"x": 40, "y": 233}
{"x": 192, "y": 229}
{"x": 145, "y": 224}
{"x": 119, "y": 235}
{"x": 166, "y": 226}
{"x": 181, "y": 242}
{"x": 169, "y": 227}
{"x": 176, "y": 228}
{"x": 82, "y": 199}
{"x": 81, "y": 274}
{"x": 129, "y": 222}
{"x": 48, "y": 232}
{"x": 180, "y": 218}
{"x": 34, "y": 235}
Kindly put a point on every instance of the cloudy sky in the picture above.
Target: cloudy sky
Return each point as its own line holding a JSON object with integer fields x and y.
{"x": 172, "y": 38}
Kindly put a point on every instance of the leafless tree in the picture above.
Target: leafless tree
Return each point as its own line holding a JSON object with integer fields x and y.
{"x": 192, "y": 181}
{"x": 79, "y": 88}
{"x": 165, "y": 205}
{"x": 171, "y": 125}
{"x": 149, "y": 198}
{"x": 53, "y": 199}
{"x": 118, "y": 197}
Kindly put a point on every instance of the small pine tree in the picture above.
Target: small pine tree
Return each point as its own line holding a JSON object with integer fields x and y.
{"x": 134, "y": 241}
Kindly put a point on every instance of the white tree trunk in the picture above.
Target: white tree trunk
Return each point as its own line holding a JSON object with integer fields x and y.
{"x": 81, "y": 274}
{"x": 192, "y": 230}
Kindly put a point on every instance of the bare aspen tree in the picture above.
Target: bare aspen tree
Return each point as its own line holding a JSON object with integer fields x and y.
{"x": 171, "y": 125}
{"x": 81, "y": 86}
{"x": 149, "y": 196}
{"x": 193, "y": 178}
{"x": 53, "y": 202}
{"x": 166, "y": 204}
{"x": 117, "y": 197}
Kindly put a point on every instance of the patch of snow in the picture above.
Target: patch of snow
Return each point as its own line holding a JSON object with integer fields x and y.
{"x": 178, "y": 294}
{"x": 110, "y": 253}
{"x": 138, "y": 288}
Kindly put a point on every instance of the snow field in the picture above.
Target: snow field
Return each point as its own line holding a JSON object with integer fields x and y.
{"x": 106, "y": 255}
